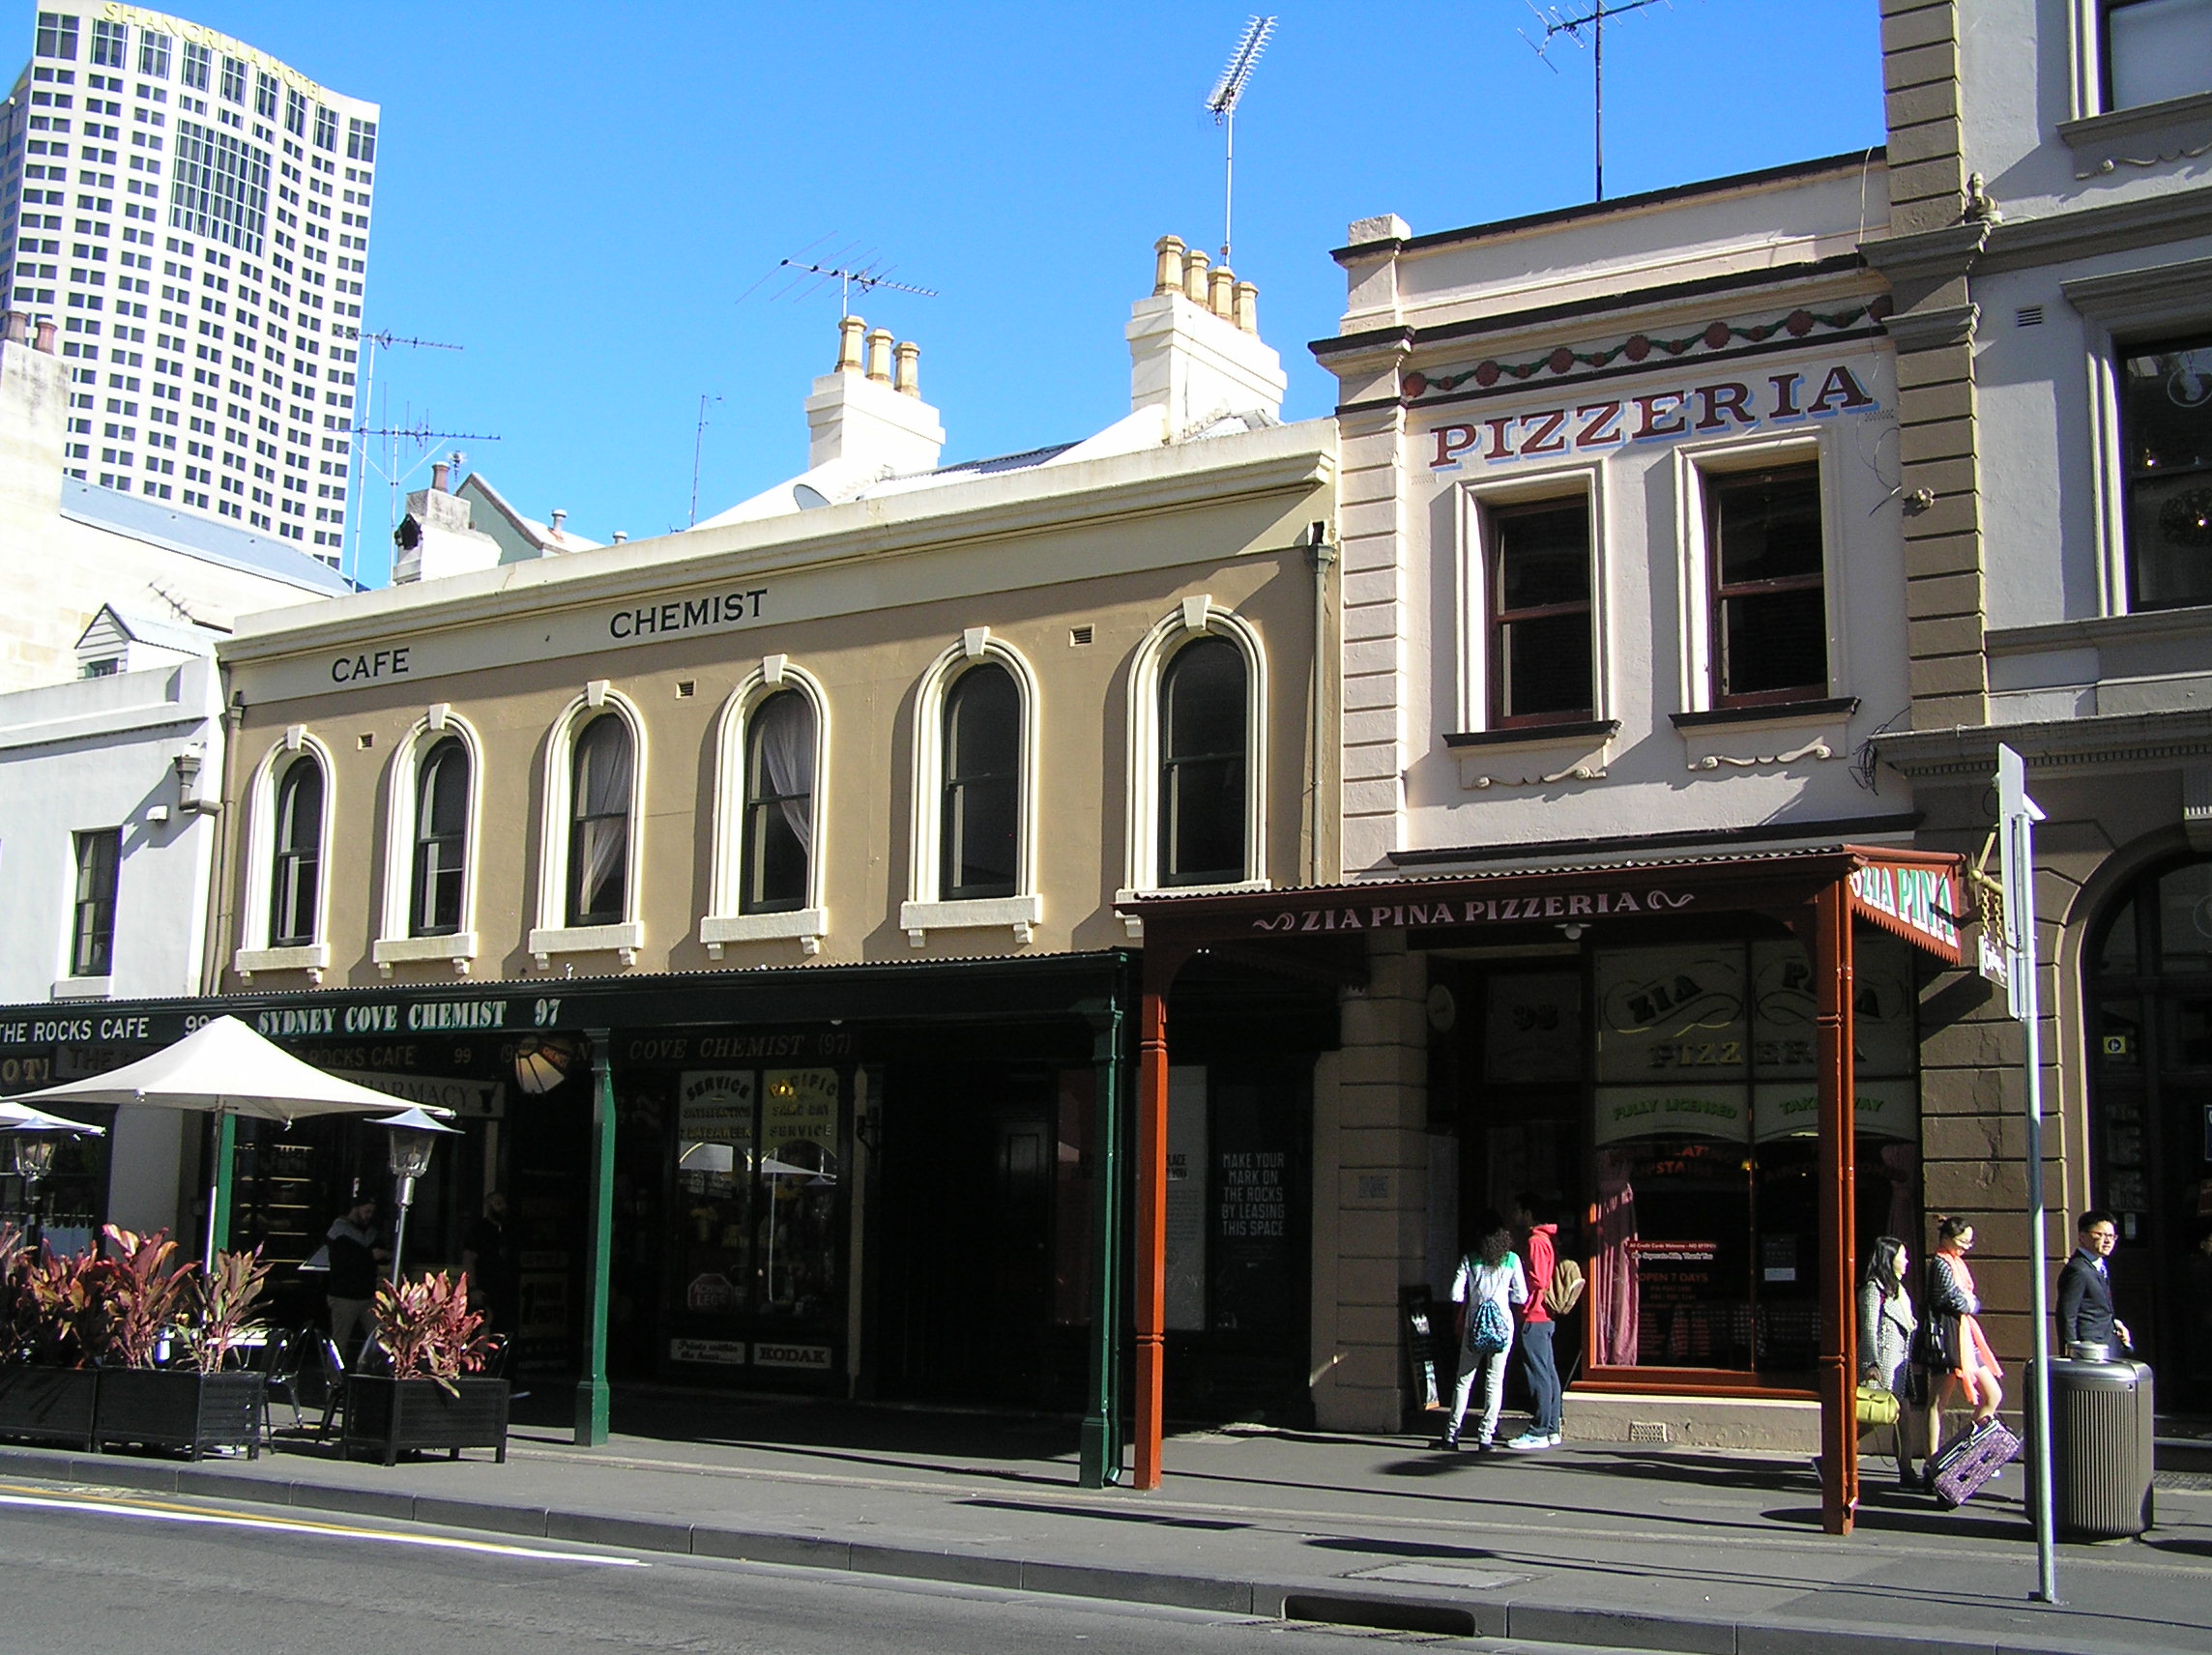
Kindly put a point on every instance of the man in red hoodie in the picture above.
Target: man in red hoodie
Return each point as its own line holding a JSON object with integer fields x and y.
{"x": 1539, "y": 1255}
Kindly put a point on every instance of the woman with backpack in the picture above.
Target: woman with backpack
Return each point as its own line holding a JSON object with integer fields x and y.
{"x": 1489, "y": 1286}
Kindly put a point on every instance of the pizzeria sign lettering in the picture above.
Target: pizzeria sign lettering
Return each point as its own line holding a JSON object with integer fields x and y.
{"x": 1473, "y": 910}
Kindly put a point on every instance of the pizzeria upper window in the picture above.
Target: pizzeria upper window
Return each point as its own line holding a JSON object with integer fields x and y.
{"x": 2165, "y": 433}
{"x": 2154, "y": 51}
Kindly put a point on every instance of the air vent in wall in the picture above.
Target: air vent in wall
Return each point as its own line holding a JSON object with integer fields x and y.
{"x": 2028, "y": 316}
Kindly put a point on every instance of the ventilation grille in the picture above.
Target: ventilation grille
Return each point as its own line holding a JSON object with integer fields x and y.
{"x": 1647, "y": 1431}
{"x": 1078, "y": 636}
{"x": 2028, "y": 316}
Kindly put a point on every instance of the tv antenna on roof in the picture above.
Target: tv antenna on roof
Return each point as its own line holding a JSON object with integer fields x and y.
{"x": 1221, "y": 103}
{"x": 371, "y": 343}
{"x": 862, "y": 273}
{"x": 1593, "y": 19}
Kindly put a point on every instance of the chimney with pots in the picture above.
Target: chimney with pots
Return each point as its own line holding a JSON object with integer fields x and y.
{"x": 1194, "y": 346}
{"x": 438, "y": 537}
{"x": 867, "y": 412}
{"x": 34, "y": 412}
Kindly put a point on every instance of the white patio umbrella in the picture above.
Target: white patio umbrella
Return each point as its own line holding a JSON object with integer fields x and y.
{"x": 15, "y": 1118}
{"x": 222, "y": 1069}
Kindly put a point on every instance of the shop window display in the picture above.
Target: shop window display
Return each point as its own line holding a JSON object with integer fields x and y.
{"x": 1705, "y": 1132}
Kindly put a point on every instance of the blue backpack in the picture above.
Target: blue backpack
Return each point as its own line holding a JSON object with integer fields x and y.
{"x": 1492, "y": 1329}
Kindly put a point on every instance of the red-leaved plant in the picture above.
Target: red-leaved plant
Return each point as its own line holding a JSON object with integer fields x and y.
{"x": 147, "y": 1291}
{"x": 66, "y": 1307}
{"x": 427, "y": 1326}
{"x": 220, "y": 1308}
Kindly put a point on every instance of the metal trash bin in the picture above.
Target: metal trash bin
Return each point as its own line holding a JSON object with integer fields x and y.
{"x": 2101, "y": 1448}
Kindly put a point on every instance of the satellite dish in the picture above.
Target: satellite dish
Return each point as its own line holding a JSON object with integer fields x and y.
{"x": 810, "y": 498}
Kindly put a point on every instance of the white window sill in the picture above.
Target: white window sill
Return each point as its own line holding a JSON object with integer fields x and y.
{"x": 460, "y": 949}
{"x": 85, "y": 988}
{"x": 313, "y": 958}
{"x": 806, "y": 926}
{"x": 1135, "y": 926}
{"x": 1021, "y": 913}
{"x": 624, "y": 940}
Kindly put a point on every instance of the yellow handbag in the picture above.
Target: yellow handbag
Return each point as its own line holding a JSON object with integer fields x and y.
{"x": 1877, "y": 1405}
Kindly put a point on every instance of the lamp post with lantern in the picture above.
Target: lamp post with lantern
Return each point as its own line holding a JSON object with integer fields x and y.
{"x": 414, "y": 1135}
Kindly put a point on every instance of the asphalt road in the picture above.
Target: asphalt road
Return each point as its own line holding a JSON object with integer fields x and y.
{"x": 105, "y": 1572}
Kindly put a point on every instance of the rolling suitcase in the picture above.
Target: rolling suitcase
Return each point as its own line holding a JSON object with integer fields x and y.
{"x": 1957, "y": 1475}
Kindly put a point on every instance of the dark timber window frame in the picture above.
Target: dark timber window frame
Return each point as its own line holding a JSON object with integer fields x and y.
{"x": 438, "y": 890}
{"x": 92, "y": 934}
{"x": 1502, "y": 620}
{"x": 973, "y": 782}
{"x": 2139, "y": 473}
{"x": 585, "y": 826}
{"x": 768, "y": 883}
{"x": 1223, "y": 788}
{"x": 295, "y": 890}
{"x": 1723, "y": 595}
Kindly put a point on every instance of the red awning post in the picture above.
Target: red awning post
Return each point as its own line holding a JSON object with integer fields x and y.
{"x": 1839, "y": 1204}
{"x": 1162, "y": 960}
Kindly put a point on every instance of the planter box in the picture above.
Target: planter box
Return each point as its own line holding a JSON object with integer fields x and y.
{"x": 394, "y": 1416}
{"x": 48, "y": 1405}
{"x": 175, "y": 1407}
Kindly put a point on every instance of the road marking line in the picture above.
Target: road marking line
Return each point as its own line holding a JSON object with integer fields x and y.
{"x": 159, "y": 1513}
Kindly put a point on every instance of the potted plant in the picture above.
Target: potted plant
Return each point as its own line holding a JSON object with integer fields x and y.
{"x": 436, "y": 1394}
{"x": 196, "y": 1403}
{"x": 54, "y": 1315}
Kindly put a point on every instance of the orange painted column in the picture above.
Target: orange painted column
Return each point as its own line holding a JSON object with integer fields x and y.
{"x": 1832, "y": 976}
{"x": 1150, "y": 1295}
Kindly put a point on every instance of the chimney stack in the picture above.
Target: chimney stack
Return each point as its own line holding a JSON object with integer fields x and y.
{"x": 440, "y": 471}
{"x": 869, "y": 413}
{"x": 1194, "y": 345}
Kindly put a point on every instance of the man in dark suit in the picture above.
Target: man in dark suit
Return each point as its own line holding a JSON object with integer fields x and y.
{"x": 2085, "y": 1290}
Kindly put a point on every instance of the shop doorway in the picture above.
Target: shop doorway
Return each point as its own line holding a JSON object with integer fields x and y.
{"x": 2149, "y": 993}
{"x": 968, "y": 1236}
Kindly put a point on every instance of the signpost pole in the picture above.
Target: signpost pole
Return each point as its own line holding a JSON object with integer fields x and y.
{"x": 1832, "y": 970}
{"x": 2018, "y": 815}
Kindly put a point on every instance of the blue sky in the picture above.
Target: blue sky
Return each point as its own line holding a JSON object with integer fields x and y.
{"x": 585, "y": 196}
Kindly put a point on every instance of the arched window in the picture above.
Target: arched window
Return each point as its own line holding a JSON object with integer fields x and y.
{"x": 979, "y": 830}
{"x": 779, "y": 804}
{"x": 441, "y": 840}
{"x": 1202, "y": 764}
{"x": 599, "y": 823}
{"x": 299, "y": 855}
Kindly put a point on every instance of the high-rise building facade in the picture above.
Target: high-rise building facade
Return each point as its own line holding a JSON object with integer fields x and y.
{"x": 195, "y": 216}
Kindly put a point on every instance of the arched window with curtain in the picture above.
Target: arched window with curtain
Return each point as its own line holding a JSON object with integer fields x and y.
{"x": 441, "y": 840}
{"x": 979, "y": 837}
{"x": 599, "y": 823}
{"x": 299, "y": 855}
{"x": 779, "y": 804}
{"x": 1202, "y": 759}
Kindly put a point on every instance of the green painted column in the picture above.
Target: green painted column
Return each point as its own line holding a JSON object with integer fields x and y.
{"x": 225, "y": 1173}
{"x": 1100, "y": 1461}
{"x": 598, "y": 1244}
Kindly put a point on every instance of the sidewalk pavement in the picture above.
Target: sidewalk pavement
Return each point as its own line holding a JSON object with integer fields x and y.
{"x": 1616, "y": 1546}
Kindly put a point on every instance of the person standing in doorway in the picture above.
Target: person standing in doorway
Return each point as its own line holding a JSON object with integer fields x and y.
{"x": 355, "y": 1253}
{"x": 1487, "y": 1287}
{"x": 2086, "y": 1289}
{"x": 488, "y": 1262}
{"x": 1539, "y": 1363}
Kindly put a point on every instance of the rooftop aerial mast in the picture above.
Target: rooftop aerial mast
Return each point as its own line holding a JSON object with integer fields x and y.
{"x": 1221, "y": 103}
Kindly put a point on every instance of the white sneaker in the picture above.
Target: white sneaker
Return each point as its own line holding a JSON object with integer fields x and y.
{"x": 1533, "y": 1440}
